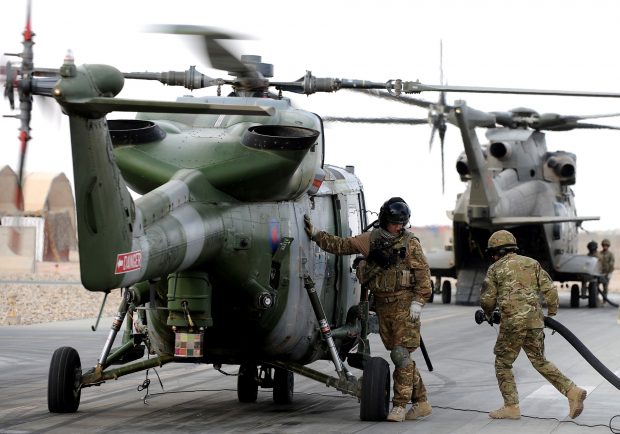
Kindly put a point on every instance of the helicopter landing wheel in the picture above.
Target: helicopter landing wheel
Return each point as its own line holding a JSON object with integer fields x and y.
{"x": 63, "y": 383}
{"x": 592, "y": 293}
{"x": 574, "y": 295}
{"x": 247, "y": 383}
{"x": 283, "y": 386}
{"x": 375, "y": 399}
{"x": 446, "y": 292}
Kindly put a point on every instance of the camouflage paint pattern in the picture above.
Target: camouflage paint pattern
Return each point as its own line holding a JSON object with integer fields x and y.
{"x": 392, "y": 301}
{"x": 514, "y": 284}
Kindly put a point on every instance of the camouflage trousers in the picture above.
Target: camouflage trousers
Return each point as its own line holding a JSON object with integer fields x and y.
{"x": 507, "y": 348}
{"x": 398, "y": 330}
{"x": 604, "y": 280}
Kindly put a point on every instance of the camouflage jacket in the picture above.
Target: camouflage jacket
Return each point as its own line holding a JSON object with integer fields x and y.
{"x": 607, "y": 260}
{"x": 514, "y": 284}
{"x": 409, "y": 272}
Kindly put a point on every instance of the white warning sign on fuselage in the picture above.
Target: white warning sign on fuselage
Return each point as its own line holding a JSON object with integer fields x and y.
{"x": 126, "y": 262}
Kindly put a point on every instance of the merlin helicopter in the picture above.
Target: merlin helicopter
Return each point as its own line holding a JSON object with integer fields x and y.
{"x": 513, "y": 182}
{"x": 212, "y": 258}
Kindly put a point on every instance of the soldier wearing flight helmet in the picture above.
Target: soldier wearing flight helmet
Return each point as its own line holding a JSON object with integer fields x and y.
{"x": 396, "y": 271}
{"x": 513, "y": 284}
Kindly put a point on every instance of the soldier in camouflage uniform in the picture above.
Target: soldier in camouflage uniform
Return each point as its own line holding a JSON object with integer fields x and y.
{"x": 592, "y": 247}
{"x": 513, "y": 284}
{"x": 396, "y": 272}
{"x": 607, "y": 260}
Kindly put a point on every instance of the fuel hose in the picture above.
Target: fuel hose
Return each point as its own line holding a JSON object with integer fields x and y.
{"x": 584, "y": 351}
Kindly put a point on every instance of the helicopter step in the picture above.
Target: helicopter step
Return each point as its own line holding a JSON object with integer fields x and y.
{"x": 468, "y": 285}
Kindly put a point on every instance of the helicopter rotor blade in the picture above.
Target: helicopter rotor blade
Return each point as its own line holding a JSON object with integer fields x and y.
{"x": 384, "y": 120}
{"x": 430, "y": 142}
{"x": 218, "y": 56}
{"x": 417, "y": 87}
{"x": 577, "y": 126}
{"x": 392, "y": 97}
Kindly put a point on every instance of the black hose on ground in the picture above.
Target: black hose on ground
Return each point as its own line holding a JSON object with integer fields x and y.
{"x": 584, "y": 351}
{"x": 606, "y": 299}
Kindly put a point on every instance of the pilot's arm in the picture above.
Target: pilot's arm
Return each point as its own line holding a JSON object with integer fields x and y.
{"x": 343, "y": 246}
{"x": 335, "y": 244}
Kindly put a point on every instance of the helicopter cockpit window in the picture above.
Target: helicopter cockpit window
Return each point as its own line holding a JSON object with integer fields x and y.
{"x": 559, "y": 210}
{"x": 355, "y": 223}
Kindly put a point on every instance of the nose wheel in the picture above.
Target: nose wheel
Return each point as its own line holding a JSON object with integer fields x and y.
{"x": 64, "y": 381}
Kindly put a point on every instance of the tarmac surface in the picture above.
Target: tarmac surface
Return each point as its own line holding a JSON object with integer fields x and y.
{"x": 196, "y": 398}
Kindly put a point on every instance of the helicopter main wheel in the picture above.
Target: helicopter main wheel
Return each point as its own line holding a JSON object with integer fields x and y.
{"x": 574, "y": 295}
{"x": 446, "y": 292}
{"x": 63, "y": 383}
{"x": 247, "y": 383}
{"x": 592, "y": 293}
{"x": 375, "y": 399}
{"x": 283, "y": 386}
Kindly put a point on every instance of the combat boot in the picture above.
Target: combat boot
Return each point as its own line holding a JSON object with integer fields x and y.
{"x": 397, "y": 414}
{"x": 576, "y": 396}
{"x": 419, "y": 409}
{"x": 506, "y": 412}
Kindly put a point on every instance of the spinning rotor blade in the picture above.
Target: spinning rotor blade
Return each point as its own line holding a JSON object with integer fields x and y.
{"x": 219, "y": 57}
{"x": 20, "y": 80}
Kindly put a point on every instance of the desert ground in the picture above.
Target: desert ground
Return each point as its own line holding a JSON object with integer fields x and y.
{"x": 54, "y": 293}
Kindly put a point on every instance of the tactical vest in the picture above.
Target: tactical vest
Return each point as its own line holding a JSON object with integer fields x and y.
{"x": 387, "y": 268}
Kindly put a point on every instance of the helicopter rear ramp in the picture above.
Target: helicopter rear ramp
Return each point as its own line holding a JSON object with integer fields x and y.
{"x": 468, "y": 284}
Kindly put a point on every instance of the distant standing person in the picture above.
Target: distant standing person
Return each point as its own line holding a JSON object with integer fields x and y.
{"x": 592, "y": 247}
{"x": 513, "y": 284}
{"x": 607, "y": 260}
{"x": 397, "y": 273}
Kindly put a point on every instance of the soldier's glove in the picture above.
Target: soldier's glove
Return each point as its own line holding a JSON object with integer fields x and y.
{"x": 415, "y": 310}
{"x": 308, "y": 227}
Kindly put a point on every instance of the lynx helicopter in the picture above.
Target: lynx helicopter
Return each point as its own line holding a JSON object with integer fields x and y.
{"x": 513, "y": 182}
{"x": 212, "y": 259}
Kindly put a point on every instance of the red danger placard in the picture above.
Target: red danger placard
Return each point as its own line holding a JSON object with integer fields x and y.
{"x": 126, "y": 262}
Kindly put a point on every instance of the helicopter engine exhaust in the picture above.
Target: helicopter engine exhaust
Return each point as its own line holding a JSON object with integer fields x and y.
{"x": 462, "y": 167}
{"x": 501, "y": 151}
{"x": 560, "y": 165}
